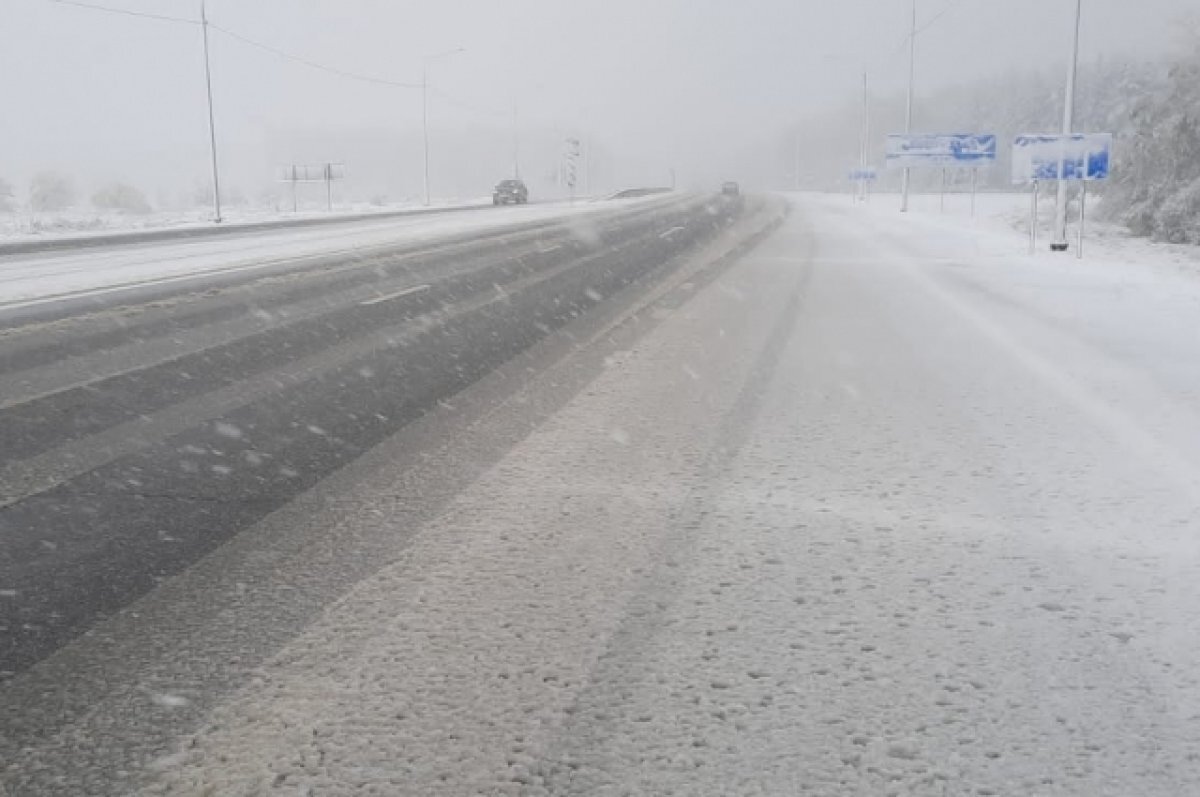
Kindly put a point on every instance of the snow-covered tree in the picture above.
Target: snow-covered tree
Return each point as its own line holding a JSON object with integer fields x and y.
{"x": 122, "y": 197}
{"x": 1156, "y": 179}
{"x": 8, "y": 200}
{"x": 50, "y": 191}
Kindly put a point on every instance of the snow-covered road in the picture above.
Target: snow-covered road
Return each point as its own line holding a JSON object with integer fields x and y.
{"x": 886, "y": 508}
{"x": 39, "y": 278}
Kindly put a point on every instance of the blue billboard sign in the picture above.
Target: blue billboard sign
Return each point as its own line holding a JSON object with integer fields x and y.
{"x": 942, "y": 150}
{"x": 1083, "y": 156}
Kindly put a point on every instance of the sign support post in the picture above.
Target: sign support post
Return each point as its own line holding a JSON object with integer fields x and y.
{"x": 974, "y": 189}
{"x": 1033, "y": 221}
{"x": 314, "y": 173}
{"x": 1082, "y": 207}
{"x": 942, "y": 196}
{"x": 1077, "y": 157}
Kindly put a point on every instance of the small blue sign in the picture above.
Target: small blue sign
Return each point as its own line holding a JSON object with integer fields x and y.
{"x": 1080, "y": 156}
{"x": 861, "y": 175}
{"x": 942, "y": 150}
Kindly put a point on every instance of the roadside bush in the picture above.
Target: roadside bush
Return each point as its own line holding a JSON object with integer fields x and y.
{"x": 1178, "y": 219}
{"x": 8, "y": 201}
{"x": 121, "y": 197}
{"x": 50, "y": 191}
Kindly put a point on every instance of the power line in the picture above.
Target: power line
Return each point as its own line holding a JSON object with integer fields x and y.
{"x": 312, "y": 64}
{"x": 124, "y": 11}
{"x": 930, "y": 22}
{"x": 244, "y": 40}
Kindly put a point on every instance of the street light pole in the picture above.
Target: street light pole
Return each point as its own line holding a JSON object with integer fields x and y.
{"x": 212, "y": 127}
{"x": 908, "y": 108}
{"x": 796, "y": 161}
{"x": 1059, "y": 242}
{"x": 864, "y": 147}
{"x": 425, "y": 124}
{"x": 516, "y": 144}
{"x": 425, "y": 109}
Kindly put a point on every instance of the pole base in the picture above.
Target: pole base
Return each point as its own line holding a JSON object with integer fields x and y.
{"x": 1059, "y": 247}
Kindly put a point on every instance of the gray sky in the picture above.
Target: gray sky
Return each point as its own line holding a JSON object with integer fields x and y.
{"x": 659, "y": 83}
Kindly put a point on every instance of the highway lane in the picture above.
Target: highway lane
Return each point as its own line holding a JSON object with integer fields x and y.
{"x": 140, "y": 436}
{"x": 33, "y": 279}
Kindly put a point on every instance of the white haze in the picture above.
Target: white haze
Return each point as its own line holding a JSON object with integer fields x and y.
{"x": 694, "y": 86}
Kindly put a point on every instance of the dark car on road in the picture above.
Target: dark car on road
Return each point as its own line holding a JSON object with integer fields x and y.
{"x": 510, "y": 192}
{"x": 731, "y": 189}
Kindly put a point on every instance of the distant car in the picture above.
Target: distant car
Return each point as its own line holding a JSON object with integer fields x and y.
{"x": 731, "y": 189}
{"x": 510, "y": 192}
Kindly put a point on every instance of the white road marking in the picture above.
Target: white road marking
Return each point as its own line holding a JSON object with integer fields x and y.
{"x": 671, "y": 232}
{"x": 396, "y": 295}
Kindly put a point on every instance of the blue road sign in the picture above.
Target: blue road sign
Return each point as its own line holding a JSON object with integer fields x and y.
{"x": 869, "y": 175}
{"x": 1083, "y": 156}
{"x": 941, "y": 150}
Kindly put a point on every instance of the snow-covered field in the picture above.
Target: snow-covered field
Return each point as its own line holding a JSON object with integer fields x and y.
{"x": 43, "y": 277}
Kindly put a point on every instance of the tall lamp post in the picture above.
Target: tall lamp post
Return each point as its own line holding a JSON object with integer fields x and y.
{"x": 864, "y": 141}
{"x": 1059, "y": 242}
{"x": 212, "y": 125}
{"x": 425, "y": 107}
{"x": 908, "y": 105}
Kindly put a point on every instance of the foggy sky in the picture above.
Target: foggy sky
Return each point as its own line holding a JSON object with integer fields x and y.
{"x": 656, "y": 84}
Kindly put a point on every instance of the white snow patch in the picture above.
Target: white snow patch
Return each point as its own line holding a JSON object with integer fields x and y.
{"x": 167, "y": 700}
{"x": 226, "y": 429}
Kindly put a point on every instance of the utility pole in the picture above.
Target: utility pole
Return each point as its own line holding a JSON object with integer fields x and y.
{"x": 864, "y": 146}
{"x": 212, "y": 126}
{"x": 908, "y": 109}
{"x": 587, "y": 167}
{"x": 516, "y": 144}
{"x": 425, "y": 124}
{"x": 425, "y": 108}
{"x": 329, "y": 186}
{"x": 1059, "y": 242}
{"x": 796, "y": 161}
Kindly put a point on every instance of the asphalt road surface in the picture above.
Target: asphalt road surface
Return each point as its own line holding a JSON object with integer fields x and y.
{"x": 842, "y": 508}
{"x": 139, "y": 434}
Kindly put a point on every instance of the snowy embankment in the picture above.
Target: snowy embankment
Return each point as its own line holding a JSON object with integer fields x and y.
{"x": 50, "y": 276}
{"x": 87, "y": 223}
{"x": 1001, "y": 229}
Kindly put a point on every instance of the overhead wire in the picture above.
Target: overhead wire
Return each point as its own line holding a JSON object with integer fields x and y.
{"x": 926, "y": 25}
{"x": 932, "y": 20}
{"x": 310, "y": 63}
{"x": 246, "y": 40}
{"x": 125, "y": 11}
